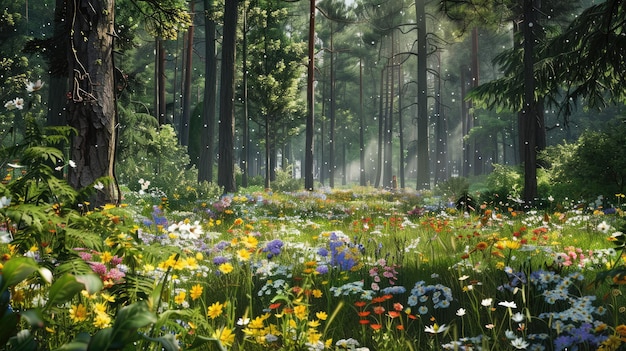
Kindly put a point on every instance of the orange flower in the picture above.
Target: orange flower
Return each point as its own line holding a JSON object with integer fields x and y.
{"x": 376, "y": 326}
{"x": 481, "y": 246}
{"x": 379, "y": 310}
{"x": 359, "y": 303}
{"x": 394, "y": 314}
{"x": 363, "y": 313}
{"x": 364, "y": 321}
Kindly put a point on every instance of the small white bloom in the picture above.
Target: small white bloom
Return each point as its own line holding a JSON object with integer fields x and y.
{"x": 517, "y": 317}
{"x": 72, "y": 164}
{"x": 508, "y": 304}
{"x": 34, "y": 86}
{"x": 487, "y": 302}
{"x": 243, "y": 321}
{"x": 510, "y": 334}
{"x": 58, "y": 168}
{"x": 18, "y": 103}
{"x": 463, "y": 277}
{"x": 436, "y": 328}
{"x": 98, "y": 186}
{"x": 461, "y": 312}
{"x": 519, "y": 343}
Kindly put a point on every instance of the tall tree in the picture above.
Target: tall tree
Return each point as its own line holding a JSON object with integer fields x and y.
{"x": 310, "y": 94}
{"x": 275, "y": 66}
{"x": 91, "y": 108}
{"x": 423, "y": 161}
{"x": 207, "y": 138}
{"x": 226, "y": 144}
{"x": 185, "y": 119}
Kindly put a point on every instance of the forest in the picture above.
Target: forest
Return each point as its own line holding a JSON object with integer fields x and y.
{"x": 418, "y": 91}
{"x": 294, "y": 175}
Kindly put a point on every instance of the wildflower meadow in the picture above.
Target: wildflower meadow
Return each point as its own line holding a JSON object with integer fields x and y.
{"x": 359, "y": 269}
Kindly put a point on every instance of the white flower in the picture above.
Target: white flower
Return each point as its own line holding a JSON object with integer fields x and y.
{"x": 460, "y": 312}
{"x": 98, "y": 186}
{"x": 519, "y": 343}
{"x": 486, "y": 302}
{"x": 436, "y": 328}
{"x": 243, "y": 321}
{"x": 19, "y": 103}
{"x": 9, "y": 105}
{"x": 508, "y": 304}
{"x": 510, "y": 334}
{"x": 517, "y": 317}
{"x": 72, "y": 164}
{"x": 34, "y": 86}
{"x": 603, "y": 227}
{"x": 46, "y": 275}
{"x": 463, "y": 277}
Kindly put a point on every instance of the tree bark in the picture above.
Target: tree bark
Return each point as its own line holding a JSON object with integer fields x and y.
{"x": 207, "y": 138}
{"x": 226, "y": 162}
{"x": 91, "y": 107}
{"x": 529, "y": 114}
{"x": 423, "y": 162}
{"x": 310, "y": 125}
{"x": 186, "y": 116}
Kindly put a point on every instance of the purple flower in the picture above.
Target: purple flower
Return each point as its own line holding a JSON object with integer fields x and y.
{"x": 218, "y": 260}
{"x": 273, "y": 248}
{"x": 322, "y": 269}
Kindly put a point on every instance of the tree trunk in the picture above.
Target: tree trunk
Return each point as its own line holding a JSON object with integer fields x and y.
{"x": 91, "y": 108}
{"x": 381, "y": 126}
{"x": 362, "y": 180}
{"x": 477, "y": 155}
{"x": 226, "y": 162}
{"x": 333, "y": 106}
{"x": 207, "y": 138}
{"x": 245, "y": 169}
{"x": 423, "y": 162}
{"x": 529, "y": 114}
{"x": 310, "y": 125}
{"x": 160, "y": 103}
{"x": 186, "y": 116}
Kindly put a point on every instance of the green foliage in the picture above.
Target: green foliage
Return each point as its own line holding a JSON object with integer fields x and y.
{"x": 156, "y": 157}
{"x": 453, "y": 188}
{"x": 285, "y": 182}
{"x": 594, "y": 164}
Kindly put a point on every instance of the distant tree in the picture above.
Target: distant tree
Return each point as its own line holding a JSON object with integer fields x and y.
{"x": 275, "y": 71}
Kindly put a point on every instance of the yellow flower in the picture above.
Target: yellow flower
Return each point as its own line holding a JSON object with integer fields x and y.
{"x": 199, "y": 256}
{"x": 100, "y": 307}
{"x": 317, "y": 293}
{"x": 226, "y": 268}
{"x": 106, "y": 257}
{"x": 257, "y": 323}
{"x": 238, "y": 221}
{"x": 218, "y": 221}
{"x": 102, "y": 320}
{"x": 243, "y": 255}
{"x": 196, "y": 291}
{"x": 180, "y": 265}
{"x": 313, "y": 336}
{"x": 215, "y": 310}
{"x": 314, "y": 324}
{"x": 108, "y": 297}
{"x": 300, "y": 312}
{"x": 191, "y": 263}
{"x": 321, "y": 315}
{"x": 78, "y": 313}
{"x": 180, "y": 298}
{"x": 225, "y": 336}
{"x": 251, "y": 242}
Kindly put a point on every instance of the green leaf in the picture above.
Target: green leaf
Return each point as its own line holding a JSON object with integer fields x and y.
{"x": 9, "y": 327}
{"x": 80, "y": 343}
{"x": 131, "y": 318}
{"x": 64, "y": 288}
{"x": 92, "y": 282}
{"x": 17, "y": 269}
{"x": 101, "y": 340}
{"x": 168, "y": 342}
